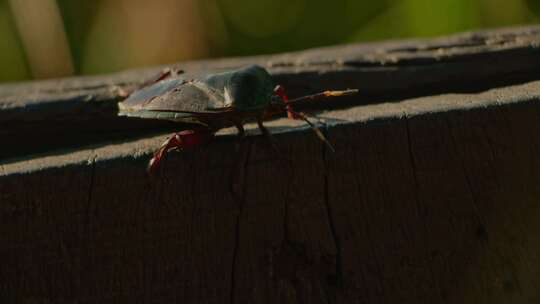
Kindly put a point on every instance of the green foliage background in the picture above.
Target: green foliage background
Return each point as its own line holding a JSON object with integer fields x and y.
{"x": 268, "y": 26}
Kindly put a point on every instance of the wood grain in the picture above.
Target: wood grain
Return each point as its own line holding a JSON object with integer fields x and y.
{"x": 427, "y": 199}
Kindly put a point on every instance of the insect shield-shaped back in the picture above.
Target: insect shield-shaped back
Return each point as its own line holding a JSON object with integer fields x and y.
{"x": 178, "y": 99}
{"x": 246, "y": 89}
{"x": 171, "y": 99}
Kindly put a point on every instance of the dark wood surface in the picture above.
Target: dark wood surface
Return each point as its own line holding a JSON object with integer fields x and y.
{"x": 431, "y": 196}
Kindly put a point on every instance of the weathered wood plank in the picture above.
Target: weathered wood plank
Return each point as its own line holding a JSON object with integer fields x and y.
{"x": 415, "y": 205}
{"x": 426, "y": 200}
{"x": 83, "y": 109}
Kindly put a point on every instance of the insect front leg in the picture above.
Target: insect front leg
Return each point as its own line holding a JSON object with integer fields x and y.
{"x": 292, "y": 114}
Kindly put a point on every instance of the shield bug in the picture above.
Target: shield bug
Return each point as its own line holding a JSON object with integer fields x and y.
{"x": 218, "y": 101}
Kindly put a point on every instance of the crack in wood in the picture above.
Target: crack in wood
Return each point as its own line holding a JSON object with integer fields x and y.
{"x": 421, "y": 215}
{"x": 338, "y": 281}
{"x": 88, "y": 214}
{"x": 240, "y": 204}
{"x": 505, "y": 261}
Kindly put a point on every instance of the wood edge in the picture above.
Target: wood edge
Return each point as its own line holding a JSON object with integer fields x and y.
{"x": 140, "y": 149}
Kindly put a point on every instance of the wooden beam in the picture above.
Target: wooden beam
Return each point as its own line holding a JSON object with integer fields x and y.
{"x": 67, "y": 113}
{"x": 427, "y": 199}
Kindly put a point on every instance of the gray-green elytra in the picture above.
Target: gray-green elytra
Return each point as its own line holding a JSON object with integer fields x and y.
{"x": 215, "y": 102}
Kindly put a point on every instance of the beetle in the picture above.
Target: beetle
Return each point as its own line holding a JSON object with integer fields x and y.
{"x": 215, "y": 102}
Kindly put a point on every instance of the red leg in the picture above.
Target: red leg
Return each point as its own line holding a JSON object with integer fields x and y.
{"x": 292, "y": 114}
{"x": 280, "y": 91}
{"x": 181, "y": 140}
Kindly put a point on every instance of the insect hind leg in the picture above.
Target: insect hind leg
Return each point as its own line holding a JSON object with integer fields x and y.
{"x": 179, "y": 141}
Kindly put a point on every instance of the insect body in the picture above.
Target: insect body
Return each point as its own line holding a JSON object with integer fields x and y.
{"x": 218, "y": 101}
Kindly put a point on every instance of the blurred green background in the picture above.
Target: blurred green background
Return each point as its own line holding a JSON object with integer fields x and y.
{"x": 54, "y": 38}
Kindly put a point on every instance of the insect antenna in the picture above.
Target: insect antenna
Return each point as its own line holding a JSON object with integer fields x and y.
{"x": 316, "y": 130}
{"x": 321, "y": 95}
{"x": 291, "y": 113}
